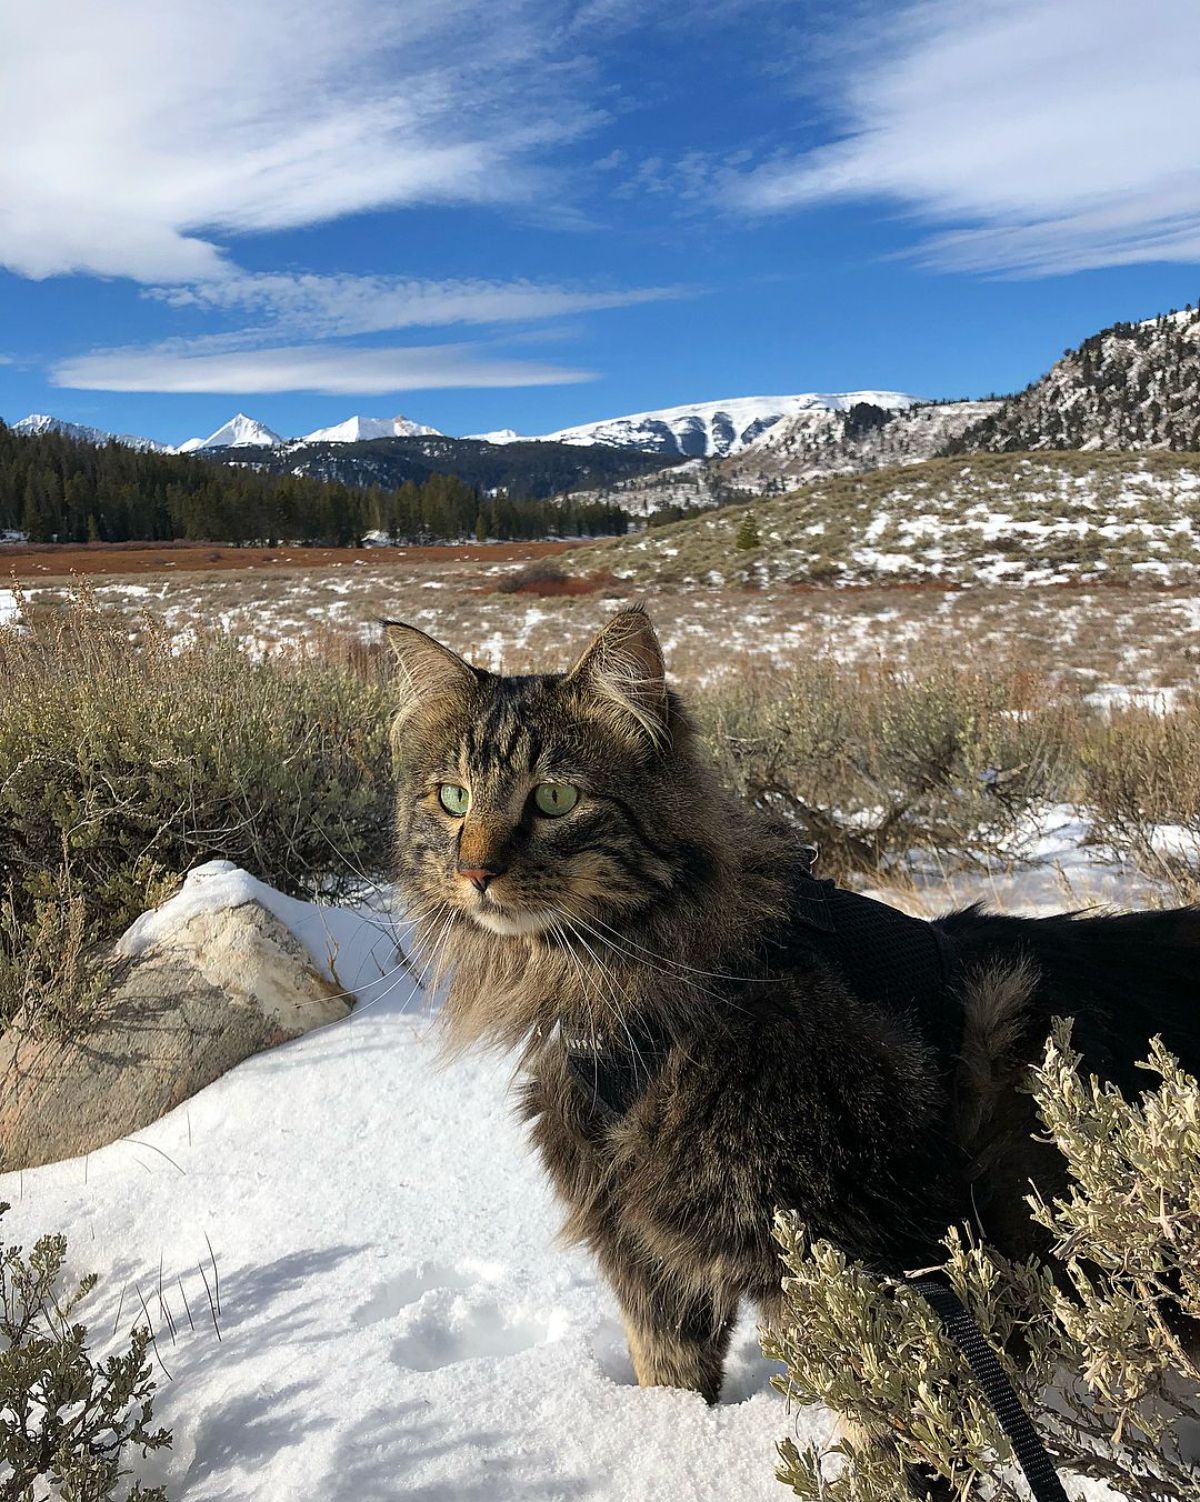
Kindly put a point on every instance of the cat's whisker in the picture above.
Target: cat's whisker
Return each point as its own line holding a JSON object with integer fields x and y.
{"x": 679, "y": 964}
{"x": 682, "y": 980}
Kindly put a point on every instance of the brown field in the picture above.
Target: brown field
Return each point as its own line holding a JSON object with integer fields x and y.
{"x": 52, "y": 561}
{"x": 1111, "y": 642}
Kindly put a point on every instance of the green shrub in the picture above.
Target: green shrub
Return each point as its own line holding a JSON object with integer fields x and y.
{"x": 1126, "y": 1237}
{"x": 126, "y": 762}
{"x": 67, "y": 1423}
{"x": 874, "y": 765}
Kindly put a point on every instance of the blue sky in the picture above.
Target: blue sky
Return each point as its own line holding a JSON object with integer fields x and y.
{"x": 526, "y": 213}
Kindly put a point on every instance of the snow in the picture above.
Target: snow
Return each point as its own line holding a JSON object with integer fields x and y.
{"x": 720, "y": 427}
{"x": 239, "y": 432}
{"x": 41, "y": 422}
{"x": 500, "y": 435}
{"x": 10, "y": 608}
{"x": 358, "y": 429}
{"x": 396, "y": 1319}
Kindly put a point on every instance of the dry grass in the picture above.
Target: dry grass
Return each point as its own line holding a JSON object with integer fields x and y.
{"x": 1019, "y": 518}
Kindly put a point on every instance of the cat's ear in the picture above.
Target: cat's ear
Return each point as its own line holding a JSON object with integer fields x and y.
{"x": 622, "y": 669}
{"x": 429, "y": 672}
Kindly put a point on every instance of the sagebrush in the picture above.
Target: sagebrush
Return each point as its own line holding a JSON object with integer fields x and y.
{"x": 68, "y": 1424}
{"x": 879, "y": 766}
{"x": 1094, "y": 1336}
{"x": 125, "y": 762}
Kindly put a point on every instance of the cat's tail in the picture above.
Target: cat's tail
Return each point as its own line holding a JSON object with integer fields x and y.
{"x": 1122, "y": 977}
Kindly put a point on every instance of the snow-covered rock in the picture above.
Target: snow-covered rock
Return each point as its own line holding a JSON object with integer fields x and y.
{"x": 196, "y": 989}
{"x": 42, "y": 422}
{"x": 359, "y": 429}
{"x": 239, "y": 432}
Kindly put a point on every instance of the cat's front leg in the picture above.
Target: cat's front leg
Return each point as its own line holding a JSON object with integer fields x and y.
{"x": 676, "y": 1339}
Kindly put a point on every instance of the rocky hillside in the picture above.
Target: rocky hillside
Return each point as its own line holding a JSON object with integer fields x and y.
{"x": 1132, "y": 386}
{"x": 865, "y": 436}
{"x": 985, "y": 518}
{"x": 527, "y": 469}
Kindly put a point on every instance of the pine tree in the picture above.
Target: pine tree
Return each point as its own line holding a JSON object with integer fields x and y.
{"x": 747, "y": 534}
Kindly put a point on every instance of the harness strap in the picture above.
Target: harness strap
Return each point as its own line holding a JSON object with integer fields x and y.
{"x": 1032, "y": 1457}
{"x": 616, "y": 1073}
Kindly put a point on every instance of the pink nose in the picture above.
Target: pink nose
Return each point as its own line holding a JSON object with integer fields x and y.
{"x": 480, "y": 876}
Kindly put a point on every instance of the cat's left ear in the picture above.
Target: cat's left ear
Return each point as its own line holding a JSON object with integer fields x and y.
{"x": 622, "y": 669}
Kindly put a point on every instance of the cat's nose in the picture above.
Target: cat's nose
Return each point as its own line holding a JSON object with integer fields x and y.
{"x": 480, "y": 876}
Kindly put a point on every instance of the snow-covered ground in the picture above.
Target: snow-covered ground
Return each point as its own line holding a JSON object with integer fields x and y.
{"x": 396, "y": 1319}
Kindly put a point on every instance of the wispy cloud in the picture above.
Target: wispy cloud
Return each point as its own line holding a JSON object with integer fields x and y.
{"x": 332, "y": 306}
{"x": 138, "y": 134}
{"x": 334, "y": 370}
{"x": 1034, "y": 138}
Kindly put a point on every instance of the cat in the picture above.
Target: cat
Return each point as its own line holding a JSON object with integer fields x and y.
{"x": 695, "y": 1051}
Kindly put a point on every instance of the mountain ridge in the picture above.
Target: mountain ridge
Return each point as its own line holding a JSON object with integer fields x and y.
{"x": 1130, "y": 387}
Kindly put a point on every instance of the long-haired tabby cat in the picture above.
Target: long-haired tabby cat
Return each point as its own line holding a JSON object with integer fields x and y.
{"x": 695, "y": 1050}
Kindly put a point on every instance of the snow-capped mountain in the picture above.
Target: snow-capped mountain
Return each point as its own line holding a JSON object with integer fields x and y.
{"x": 239, "y": 432}
{"x": 42, "y": 422}
{"x": 500, "y": 435}
{"x": 715, "y": 429}
{"x": 705, "y": 430}
{"x": 360, "y": 429}
{"x": 861, "y": 437}
{"x": 1131, "y": 386}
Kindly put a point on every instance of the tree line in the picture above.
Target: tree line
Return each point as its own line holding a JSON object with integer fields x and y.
{"x": 59, "y": 489}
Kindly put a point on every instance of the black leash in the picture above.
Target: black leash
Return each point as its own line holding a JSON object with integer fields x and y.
{"x": 1031, "y": 1454}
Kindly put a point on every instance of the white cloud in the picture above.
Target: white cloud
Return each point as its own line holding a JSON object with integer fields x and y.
{"x": 1041, "y": 137}
{"x": 329, "y": 306}
{"x": 331, "y": 369}
{"x": 138, "y": 133}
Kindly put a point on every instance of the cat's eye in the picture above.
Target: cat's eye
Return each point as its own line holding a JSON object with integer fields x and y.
{"x": 555, "y": 798}
{"x": 454, "y": 799}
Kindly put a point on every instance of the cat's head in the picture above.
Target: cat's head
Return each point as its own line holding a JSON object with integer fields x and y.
{"x": 523, "y": 801}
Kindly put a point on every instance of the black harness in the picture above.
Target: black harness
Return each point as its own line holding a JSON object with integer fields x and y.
{"x": 903, "y": 964}
{"x": 890, "y": 959}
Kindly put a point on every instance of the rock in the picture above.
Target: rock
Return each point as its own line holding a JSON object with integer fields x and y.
{"x": 219, "y": 987}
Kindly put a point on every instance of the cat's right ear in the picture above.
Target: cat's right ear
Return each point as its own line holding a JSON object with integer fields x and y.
{"x": 429, "y": 672}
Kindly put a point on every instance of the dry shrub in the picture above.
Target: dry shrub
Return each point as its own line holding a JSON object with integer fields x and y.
{"x": 1141, "y": 771}
{"x": 1101, "y": 1328}
{"x": 546, "y": 579}
{"x": 49, "y": 967}
{"x": 127, "y": 763}
{"x": 875, "y": 766}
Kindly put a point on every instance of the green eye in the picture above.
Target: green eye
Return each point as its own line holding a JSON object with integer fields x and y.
{"x": 555, "y": 798}
{"x": 454, "y": 800}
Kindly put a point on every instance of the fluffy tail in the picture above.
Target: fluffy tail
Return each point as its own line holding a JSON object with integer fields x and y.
{"x": 1123, "y": 978}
